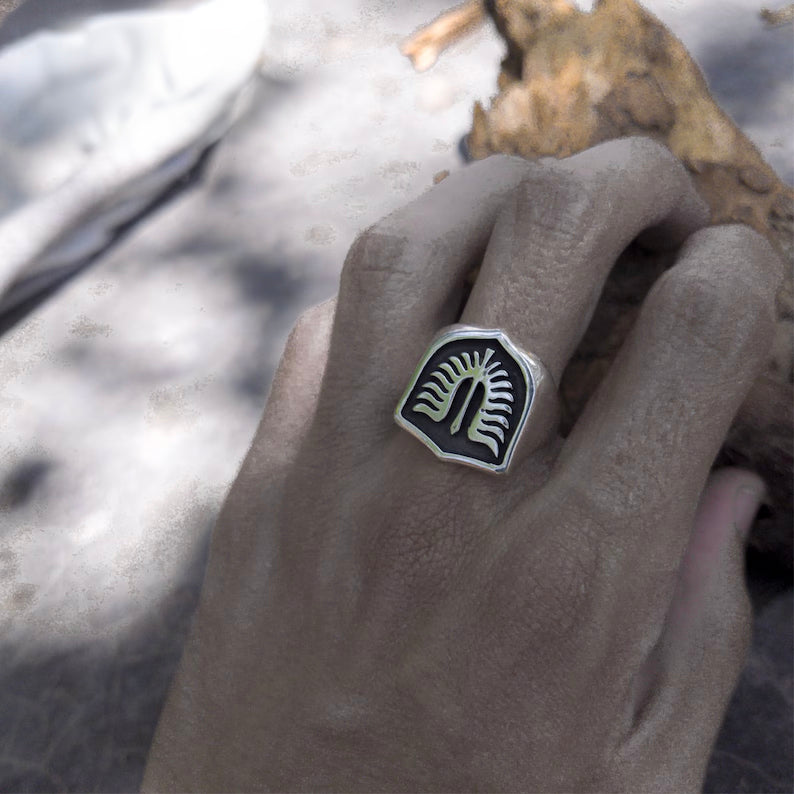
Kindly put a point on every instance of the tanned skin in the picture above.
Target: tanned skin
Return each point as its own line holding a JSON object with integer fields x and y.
{"x": 375, "y": 619}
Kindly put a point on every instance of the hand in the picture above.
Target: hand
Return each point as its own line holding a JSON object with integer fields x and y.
{"x": 374, "y": 619}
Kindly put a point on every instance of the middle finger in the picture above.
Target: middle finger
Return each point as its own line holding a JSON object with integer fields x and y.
{"x": 558, "y": 237}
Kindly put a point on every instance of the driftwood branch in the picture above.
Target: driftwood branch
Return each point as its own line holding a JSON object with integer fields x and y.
{"x": 780, "y": 17}
{"x": 424, "y": 46}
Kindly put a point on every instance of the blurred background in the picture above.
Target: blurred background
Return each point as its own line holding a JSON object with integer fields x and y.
{"x": 178, "y": 181}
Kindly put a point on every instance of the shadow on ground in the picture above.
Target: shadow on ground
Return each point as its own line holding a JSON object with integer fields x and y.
{"x": 82, "y": 718}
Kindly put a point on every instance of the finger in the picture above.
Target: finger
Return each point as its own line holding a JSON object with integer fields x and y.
{"x": 560, "y": 232}
{"x": 637, "y": 459}
{"x": 704, "y": 642}
{"x": 238, "y": 570}
{"x": 285, "y": 422}
{"x": 403, "y": 280}
{"x": 296, "y": 386}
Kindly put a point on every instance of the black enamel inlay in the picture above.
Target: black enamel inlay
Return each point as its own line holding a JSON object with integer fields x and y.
{"x": 439, "y": 431}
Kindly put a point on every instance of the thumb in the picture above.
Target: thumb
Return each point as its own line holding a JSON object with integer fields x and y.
{"x": 690, "y": 675}
{"x": 711, "y": 574}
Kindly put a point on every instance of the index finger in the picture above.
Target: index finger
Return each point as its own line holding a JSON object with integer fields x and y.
{"x": 404, "y": 277}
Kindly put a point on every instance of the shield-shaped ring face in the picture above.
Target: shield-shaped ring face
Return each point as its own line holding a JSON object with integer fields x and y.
{"x": 469, "y": 398}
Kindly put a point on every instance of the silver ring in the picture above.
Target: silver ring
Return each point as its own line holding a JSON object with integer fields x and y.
{"x": 475, "y": 398}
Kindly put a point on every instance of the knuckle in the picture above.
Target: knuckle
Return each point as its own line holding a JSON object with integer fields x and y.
{"x": 317, "y": 313}
{"x": 706, "y": 301}
{"x": 558, "y": 205}
{"x": 738, "y": 238}
{"x": 606, "y": 165}
{"x": 318, "y": 316}
{"x": 310, "y": 334}
{"x": 689, "y": 295}
{"x": 562, "y": 178}
{"x": 736, "y": 252}
{"x": 376, "y": 252}
{"x": 642, "y": 149}
{"x": 638, "y": 154}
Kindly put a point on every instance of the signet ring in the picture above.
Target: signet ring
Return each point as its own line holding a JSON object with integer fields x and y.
{"x": 476, "y": 398}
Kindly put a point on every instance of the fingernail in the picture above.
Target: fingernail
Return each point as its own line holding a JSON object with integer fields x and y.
{"x": 746, "y": 501}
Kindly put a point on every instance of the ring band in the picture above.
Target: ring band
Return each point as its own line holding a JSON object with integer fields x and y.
{"x": 475, "y": 398}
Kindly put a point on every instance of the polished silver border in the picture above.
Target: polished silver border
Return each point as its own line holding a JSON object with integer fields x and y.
{"x": 535, "y": 376}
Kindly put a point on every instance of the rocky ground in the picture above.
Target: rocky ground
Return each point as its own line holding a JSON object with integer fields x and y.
{"x": 130, "y": 394}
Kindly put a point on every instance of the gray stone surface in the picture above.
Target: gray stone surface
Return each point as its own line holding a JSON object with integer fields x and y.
{"x": 129, "y": 396}
{"x": 755, "y": 748}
